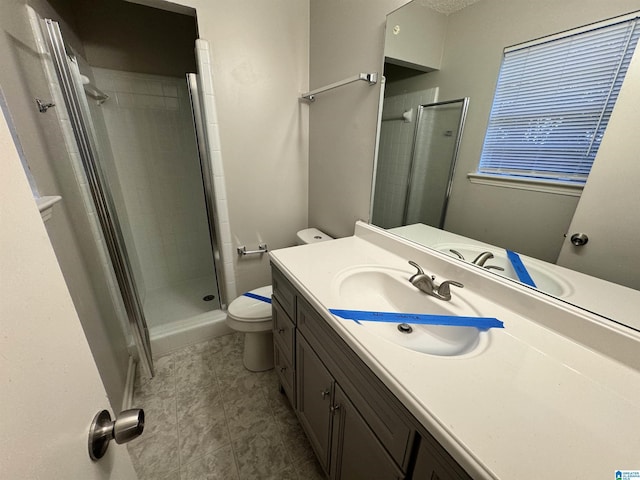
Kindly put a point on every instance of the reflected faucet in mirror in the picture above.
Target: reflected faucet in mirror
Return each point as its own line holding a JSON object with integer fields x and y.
{"x": 526, "y": 217}
{"x": 480, "y": 260}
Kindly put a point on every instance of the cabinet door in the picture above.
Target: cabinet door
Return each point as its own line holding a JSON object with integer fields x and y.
{"x": 434, "y": 463}
{"x": 315, "y": 393}
{"x": 357, "y": 452}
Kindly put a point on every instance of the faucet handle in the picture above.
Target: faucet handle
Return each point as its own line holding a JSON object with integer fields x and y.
{"x": 420, "y": 271}
{"x": 444, "y": 291}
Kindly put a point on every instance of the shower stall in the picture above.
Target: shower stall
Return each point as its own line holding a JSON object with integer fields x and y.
{"x": 149, "y": 181}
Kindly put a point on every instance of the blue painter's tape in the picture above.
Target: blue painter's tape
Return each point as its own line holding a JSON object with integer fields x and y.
{"x": 481, "y": 323}
{"x": 521, "y": 270}
{"x": 257, "y": 297}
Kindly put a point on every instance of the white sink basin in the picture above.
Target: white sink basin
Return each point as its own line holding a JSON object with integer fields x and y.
{"x": 544, "y": 278}
{"x": 383, "y": 289}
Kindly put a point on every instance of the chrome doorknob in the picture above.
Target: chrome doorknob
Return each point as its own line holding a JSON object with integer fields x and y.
{"x": 579, "y": 239}
{"x": 128, "y": 425}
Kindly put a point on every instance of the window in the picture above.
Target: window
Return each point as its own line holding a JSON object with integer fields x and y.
{"x": 553, "y": 101}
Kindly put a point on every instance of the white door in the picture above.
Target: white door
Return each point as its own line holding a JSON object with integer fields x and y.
{"x": 609, "y": 209}
{"x": 50, "y": 389}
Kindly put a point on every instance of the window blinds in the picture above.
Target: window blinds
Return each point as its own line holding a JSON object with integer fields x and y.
{"x": 553, "y": 102}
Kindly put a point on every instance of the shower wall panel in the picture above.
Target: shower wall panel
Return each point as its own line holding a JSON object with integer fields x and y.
{"x": 150, "y": 128}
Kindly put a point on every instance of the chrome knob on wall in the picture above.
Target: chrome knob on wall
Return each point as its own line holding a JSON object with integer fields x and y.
{"x": 128, "y": 425}
{"x": 579, "y": 239}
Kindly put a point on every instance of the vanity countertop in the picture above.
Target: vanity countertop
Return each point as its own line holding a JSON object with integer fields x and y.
{"x": 533, "y": 403}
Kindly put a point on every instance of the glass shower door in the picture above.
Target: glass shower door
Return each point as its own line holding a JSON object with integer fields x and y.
{"x": 78, "y": 109}
{"x": 435, "y": 149}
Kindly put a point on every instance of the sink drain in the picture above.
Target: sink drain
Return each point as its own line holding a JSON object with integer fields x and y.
{"x": 208, "y": 298}
{"x": 405, "y": 328}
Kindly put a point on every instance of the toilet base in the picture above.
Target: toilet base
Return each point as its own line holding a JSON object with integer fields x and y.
{"x": 258, "y": 351}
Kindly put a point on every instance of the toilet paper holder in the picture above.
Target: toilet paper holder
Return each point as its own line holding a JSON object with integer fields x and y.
{"x": 262, "y": 248}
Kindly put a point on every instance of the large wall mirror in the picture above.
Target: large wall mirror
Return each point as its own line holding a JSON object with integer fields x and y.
{"x": 438, "y": 56}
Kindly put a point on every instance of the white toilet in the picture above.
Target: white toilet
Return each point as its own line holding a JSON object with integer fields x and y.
{"x": 250, "y": 313}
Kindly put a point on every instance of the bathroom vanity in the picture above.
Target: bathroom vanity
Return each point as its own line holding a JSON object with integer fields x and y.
{"x": 347, "y": 412}
{"x": 553, "y": 394}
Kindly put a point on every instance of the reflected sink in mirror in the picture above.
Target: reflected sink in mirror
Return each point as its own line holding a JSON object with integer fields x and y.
{"x": 374, "y": 288}
{"x": 545, "y": 278}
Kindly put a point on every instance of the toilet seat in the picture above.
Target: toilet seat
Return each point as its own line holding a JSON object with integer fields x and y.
{"x": 247, "y": 314}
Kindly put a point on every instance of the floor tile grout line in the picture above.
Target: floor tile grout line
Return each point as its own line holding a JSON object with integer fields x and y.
{"x": 226, "y": 422}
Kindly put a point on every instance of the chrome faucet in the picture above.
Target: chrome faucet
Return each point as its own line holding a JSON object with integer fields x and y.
{"x": 428, "y": 284}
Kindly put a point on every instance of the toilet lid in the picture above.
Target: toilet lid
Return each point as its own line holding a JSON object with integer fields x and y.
{"x": 251, "y": 309}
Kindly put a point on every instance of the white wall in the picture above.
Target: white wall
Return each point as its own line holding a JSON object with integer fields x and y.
{"x": 411, "y": 26}
{"x": 347, "y": 37}
{"x": 260, "y": 56}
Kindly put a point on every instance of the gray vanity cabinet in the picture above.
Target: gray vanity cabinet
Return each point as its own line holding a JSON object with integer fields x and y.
{"x": 357, "y": 427}
{"x": 344, "y": 444}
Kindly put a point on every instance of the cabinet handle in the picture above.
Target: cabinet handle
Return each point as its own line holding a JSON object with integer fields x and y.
{"x": 281, "y": 330}
{"x": 283, "y": 369}
{"x": 335, "y": 408}
{"x": 324, "y": 393}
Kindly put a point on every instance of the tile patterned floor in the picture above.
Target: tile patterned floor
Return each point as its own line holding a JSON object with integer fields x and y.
{"x": 207, "y": 417}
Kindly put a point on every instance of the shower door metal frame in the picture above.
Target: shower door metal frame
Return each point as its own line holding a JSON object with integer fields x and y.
{"x": 456, "y": 148}
{"x": 101, "y": 196}
{"x": 206, "y": 170}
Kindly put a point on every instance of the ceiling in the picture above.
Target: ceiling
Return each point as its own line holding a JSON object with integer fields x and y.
{"x": 447, "y": 6}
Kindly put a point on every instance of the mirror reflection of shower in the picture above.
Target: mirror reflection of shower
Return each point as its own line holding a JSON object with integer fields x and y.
{"x": 416, "y": 160}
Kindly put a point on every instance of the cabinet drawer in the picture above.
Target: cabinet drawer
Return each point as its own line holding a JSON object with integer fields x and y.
{"x": 283, "y": 331}
{"x": 286, "y": 374}
{"x": 383, "y": 412}
{"x": 284, "y": 292}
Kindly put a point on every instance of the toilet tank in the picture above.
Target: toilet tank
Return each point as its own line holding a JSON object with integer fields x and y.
{"x": 312, "y": 235}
